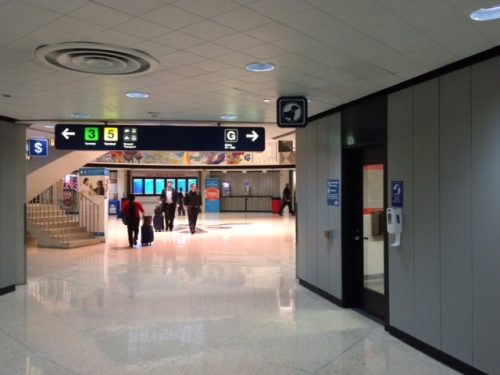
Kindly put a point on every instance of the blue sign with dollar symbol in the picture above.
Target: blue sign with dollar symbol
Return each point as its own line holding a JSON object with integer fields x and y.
{"x": 38, "y": 147}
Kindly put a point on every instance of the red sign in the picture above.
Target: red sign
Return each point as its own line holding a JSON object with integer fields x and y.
{"x": 212, "y": 194}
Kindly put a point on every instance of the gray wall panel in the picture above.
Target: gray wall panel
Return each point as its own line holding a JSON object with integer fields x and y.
{"x": 323, "y": 156}
{"x": 426, "y": 212}
{"x": 319, "y": 159}
{"x": 400, "y": 166}
{"x": 334, "y": 213}
{"x": 12, "y": 199}
{"x": 311, "y": 225}
{"x": 456, "y": 215}
{"x": 301, "y": 191}
{"x": 486, "y": 214}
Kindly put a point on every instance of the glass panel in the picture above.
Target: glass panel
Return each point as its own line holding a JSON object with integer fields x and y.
{"x": 160, "y": 185}
{"x": 181, "y": 184}
{"x": 149, "y": 186}
{"x": 172, "y": 180}
{"x": 137, "y": 186}
{"x": 373, "y": 227}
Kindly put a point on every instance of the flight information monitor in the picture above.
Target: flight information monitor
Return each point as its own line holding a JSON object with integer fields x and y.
{"x": 164, "y": 138}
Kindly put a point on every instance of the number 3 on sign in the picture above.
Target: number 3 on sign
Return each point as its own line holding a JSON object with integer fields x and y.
{"x": 111, "y": 134}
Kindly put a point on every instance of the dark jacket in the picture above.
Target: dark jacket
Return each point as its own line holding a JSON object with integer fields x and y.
{"x": 192, "y": 199}
{"x": 180, "y": 198}
{"x": 287, "y": 194}
{"x": 164, "y": 196}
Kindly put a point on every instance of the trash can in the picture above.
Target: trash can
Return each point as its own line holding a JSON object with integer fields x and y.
{"x": 275, "y": 205}
{"x": 114, "y": 207}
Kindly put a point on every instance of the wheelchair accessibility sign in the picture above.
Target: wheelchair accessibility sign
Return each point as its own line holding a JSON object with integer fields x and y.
{"x": 397, "y": 193}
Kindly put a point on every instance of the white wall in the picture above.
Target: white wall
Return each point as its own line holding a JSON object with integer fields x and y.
{"x": 12, "y": 199}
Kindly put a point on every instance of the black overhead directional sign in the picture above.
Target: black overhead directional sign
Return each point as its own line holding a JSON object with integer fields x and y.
{"x": 167, "y": 138}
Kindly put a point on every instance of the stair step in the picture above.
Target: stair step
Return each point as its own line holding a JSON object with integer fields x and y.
{"x": 66, "y": 229}
{"x": 81, "y": 243}
{"x": 72, "y": 236}
{"x": 67, "y": 224}
{"x": 62, "y": 222}
{"x": 48, "y": 217}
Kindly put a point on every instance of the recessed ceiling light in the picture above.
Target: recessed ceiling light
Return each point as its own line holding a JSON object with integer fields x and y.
{"x": 267, "y": 100}
{"x": 486, "y": 14}
{"x": 79, "y": 115}
{"x": 260, "y": 67}
{"x": 49, "y": 126}
{"x": 138, "y": 95}
{"x": 229, "y": 117}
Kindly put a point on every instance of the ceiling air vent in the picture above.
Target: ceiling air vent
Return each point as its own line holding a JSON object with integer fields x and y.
{"x": 96, "y": 58}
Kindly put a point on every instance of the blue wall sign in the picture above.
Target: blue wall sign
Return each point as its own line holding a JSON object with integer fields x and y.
{"x": 97, "y": 171}
{"x": 333, "y": 192}
{"x": 212, "y": 195}
{"x": 38, "y": 147}
{"x": 397, "y": 193}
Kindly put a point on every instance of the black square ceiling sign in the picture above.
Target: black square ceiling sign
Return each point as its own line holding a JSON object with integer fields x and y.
{"x": 292, "y": 112}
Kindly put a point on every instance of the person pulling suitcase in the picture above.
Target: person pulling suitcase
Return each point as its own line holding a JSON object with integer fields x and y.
{"x": 132, "y": 210}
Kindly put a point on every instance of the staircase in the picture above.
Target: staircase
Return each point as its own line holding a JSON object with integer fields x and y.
{"x": 55, "y": 224}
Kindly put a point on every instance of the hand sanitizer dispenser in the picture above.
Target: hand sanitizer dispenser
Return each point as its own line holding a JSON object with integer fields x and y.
{"x": 395, "y": 224}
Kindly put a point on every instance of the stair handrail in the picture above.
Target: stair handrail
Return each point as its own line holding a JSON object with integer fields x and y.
{"x": 89, "y": 213}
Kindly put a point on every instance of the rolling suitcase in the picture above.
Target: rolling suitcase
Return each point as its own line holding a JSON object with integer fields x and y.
{"x": 158, "y": 223}
{"x": 147, "y": 232}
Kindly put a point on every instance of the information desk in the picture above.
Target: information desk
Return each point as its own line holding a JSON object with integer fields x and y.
{"x": 245, "y": 203}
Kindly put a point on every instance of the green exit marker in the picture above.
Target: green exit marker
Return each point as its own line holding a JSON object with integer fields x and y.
{"x": 91, "y": 134}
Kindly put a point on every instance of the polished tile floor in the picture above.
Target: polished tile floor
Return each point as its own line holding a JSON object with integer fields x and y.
{"x": 222, "y": 301}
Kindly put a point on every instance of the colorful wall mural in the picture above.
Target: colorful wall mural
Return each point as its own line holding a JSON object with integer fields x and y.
{"x": 269, "y": 156}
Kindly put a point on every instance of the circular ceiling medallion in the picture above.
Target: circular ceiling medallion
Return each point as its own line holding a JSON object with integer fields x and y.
{"x": 96, "y": 58}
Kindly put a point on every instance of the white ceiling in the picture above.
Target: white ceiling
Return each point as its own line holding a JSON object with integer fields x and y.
{"x": 332, "y": 51}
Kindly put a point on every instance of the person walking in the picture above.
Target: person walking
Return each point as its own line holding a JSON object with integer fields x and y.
{"x": 192, "y": 200}
{"x": 287, "y": 200}
{"x": 169, "y": 199}
{"x": 180, "y": 203}
{"x": 132, "y": 209}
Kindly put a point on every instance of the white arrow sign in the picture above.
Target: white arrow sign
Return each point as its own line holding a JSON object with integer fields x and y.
{"x": 66, "y": 133}
{"x": 253, "y": 135}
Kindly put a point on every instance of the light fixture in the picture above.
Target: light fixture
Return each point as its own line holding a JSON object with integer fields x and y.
{"x": 49, "y": 126}
{"x": 267, "y": 100}
{"x": 229, "y": 117}
{"x": 486, "y": 14}
{"x": 260, "y": 67}
{"x": 79, "y": 115}
{"x": 138, "y": 95}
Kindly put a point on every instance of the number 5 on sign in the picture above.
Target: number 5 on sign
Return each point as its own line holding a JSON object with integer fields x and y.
{"x": 111, "y": 134}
